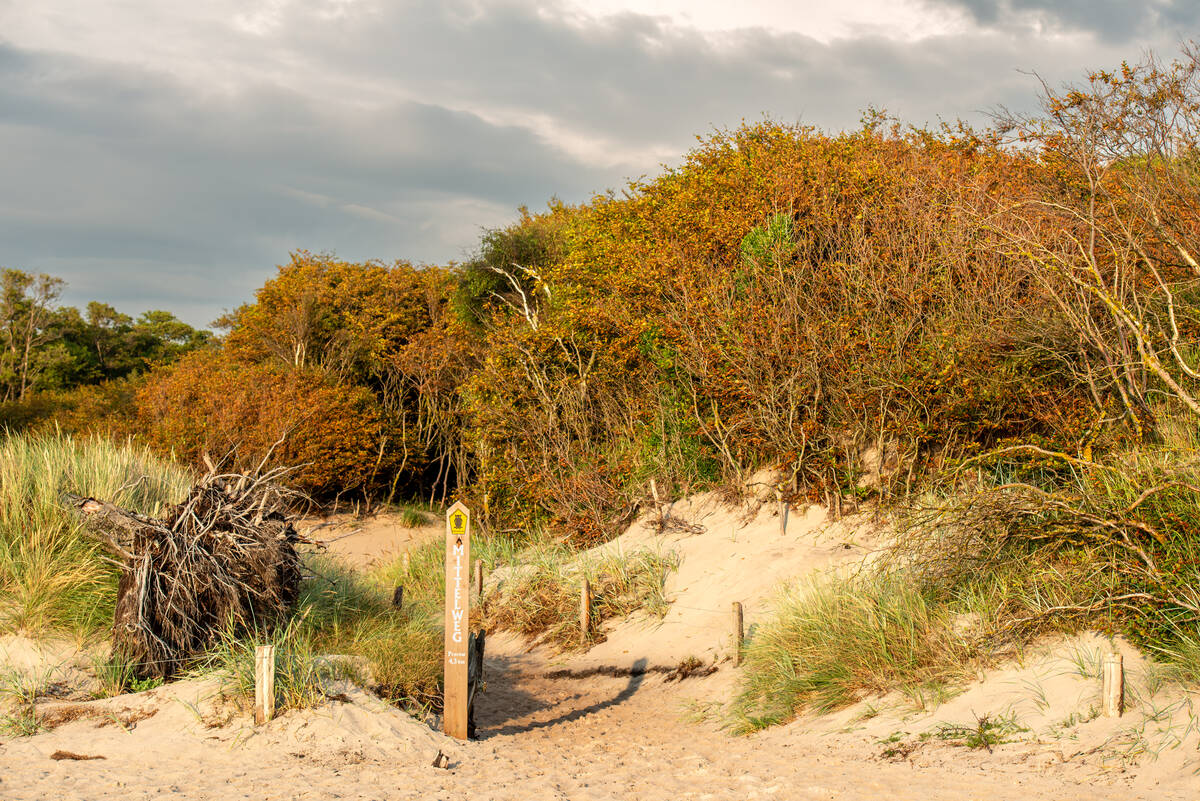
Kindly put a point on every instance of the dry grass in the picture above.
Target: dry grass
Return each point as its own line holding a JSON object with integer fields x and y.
{"x": 538, "y": 597}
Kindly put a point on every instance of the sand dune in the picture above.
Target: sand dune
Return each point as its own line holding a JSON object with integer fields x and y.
{"x": 554, "y": 728}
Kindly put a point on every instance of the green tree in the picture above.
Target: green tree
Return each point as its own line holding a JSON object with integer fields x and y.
{"x": 25, "y": 309}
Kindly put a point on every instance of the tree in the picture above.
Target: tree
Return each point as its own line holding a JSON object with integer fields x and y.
{"x": 25, "y": 310}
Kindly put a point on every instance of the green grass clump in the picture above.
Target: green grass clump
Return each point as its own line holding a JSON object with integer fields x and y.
{"x": 987, "y": 731}
{"x": 832, "y": 643}
{"x": 19, "y": 691}
{"x": 52, "y": 578}
{"x": 414, "y": 517}
{"x": 116, "y": 675}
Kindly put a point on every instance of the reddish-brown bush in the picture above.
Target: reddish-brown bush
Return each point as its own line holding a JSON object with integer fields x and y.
{"x": 214, "y": 404}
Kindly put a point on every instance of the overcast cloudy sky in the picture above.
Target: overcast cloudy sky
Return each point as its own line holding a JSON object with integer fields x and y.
{"x": 166, "y": 154}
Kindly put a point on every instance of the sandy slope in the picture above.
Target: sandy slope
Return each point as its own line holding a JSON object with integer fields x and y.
{"x": 735, "y": 555}
{"x": 366, "y": 541}
{"x": 593, "y": 736}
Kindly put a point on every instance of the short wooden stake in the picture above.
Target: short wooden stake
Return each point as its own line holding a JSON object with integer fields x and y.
{"x": 783, "y": 515}
{"x": 585, "y": 609}
{"x": 264, "y": 683}
{"x": 658, "y": 506}
{"x": 739, "y": 633}
{"x": 1114, "y": 685}
{"x": 398, "y": 596}
{"x": 478, "y": 578}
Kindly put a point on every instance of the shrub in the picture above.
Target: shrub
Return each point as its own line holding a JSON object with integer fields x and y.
{"x": 255, "y": 412}
{"x": 1121, "y": 532}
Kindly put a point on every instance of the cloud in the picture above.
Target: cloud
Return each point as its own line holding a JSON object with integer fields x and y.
{"x": 169, "y": 159}
{"x": 1114, "y": 20}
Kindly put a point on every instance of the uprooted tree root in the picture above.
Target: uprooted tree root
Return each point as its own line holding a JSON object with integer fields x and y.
{"x": 223, "y": 558}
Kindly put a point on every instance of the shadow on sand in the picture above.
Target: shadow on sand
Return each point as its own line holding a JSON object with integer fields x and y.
{"x": 637, "y": 674}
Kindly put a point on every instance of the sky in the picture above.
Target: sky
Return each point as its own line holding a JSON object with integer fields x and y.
{"x": 159, "y": 154}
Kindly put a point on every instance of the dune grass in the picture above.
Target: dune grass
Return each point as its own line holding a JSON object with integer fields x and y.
{"x": 533, "y": 588}
{"x": 52, "y": 578}
{"x": 18, "y": 697}
{"x": 1042, "y": 544}
{"x": 345, "y": 627}
{"x": 414, "y": 516}
{"x": 538, "y": 596}
{"x": 831, "y": 643}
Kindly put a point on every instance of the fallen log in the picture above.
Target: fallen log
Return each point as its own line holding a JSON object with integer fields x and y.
{"x": 221, "y": 562}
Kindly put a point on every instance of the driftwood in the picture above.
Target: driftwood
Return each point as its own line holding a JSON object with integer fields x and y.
{"x": 223, "y": 561}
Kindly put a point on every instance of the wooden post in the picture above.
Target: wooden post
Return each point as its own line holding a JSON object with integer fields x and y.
{"x": 398, "y": 596}
{"x": 458, "y": 620}
{"x": 264, "y": 683}
{"x": 738, "y": 633}
{"x": 479, "y": 578}
{"x": 585, "y": 609}
{"x": 1114, "y": 685}
{"x": 783, "y": 514}
{"x": 658, "y": 507}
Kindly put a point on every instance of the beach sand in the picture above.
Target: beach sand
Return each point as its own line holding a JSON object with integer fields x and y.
{"x": 591, "y": 727}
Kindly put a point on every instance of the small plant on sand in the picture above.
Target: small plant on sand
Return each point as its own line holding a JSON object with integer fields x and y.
{"x": 987, "y": 731}
{"x": 1088, "y": 662}
{"x": 117, "y": 675}
{"x": 114, "y": 675}
{"x": 19, "y": 692}
{"x": 413, "y": 517}
{"x": 1076, "y": 718}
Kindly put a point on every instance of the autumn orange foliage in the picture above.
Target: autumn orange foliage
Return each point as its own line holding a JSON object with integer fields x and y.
{"x": 223, "y": 407}
{"x": 309, "y": 375}
{"x": 784, "y": 298}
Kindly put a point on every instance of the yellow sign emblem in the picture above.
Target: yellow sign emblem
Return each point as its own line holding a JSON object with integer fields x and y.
{"x": 458, "y": 524}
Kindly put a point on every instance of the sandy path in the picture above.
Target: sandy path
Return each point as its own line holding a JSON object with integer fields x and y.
{"x": 626, "y": 738}
{"x": 591, "y": 739}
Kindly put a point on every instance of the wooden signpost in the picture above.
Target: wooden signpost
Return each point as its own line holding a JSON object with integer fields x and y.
{"x": 458, "y": 620}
